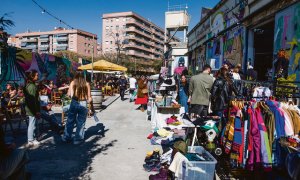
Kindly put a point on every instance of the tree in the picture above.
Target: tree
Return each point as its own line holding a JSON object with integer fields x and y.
{"x": 4, "y": 25}
{"x": 120, "y": 41}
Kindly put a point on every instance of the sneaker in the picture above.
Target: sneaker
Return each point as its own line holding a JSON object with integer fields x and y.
{"x": 64, "y": 139}
{"x": 33, "y": 143}
{"x": 76, "y": 142}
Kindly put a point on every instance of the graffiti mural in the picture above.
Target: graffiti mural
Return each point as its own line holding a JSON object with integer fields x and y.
{"x": 233, "y": 46}
{"x": 287, "y": 37}
{"x": 17, "y": 61}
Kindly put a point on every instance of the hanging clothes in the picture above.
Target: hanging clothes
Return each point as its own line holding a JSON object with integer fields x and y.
{"x": 254, "y": 157}
{"x": 265, "y": 146}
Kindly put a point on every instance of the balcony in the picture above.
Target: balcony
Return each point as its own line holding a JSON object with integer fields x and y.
{"x": 59, "y": 48}
{"x": 61, "y": 45}
{"x": 62, "y": 39}
{"x": 149, "y": 43}
{"x": 140, "y": 32}
{"x": 30, "y": 40}
{"x": 30, "y": 47}
{"x": 139, "y": 47}
{"x": 44, "y": 47}
{"x": 23, "y": 44}
{"x": 44, "y": 39}
{"x": 149, "y": 29}
{"x": 133, "y": 29}
{"x": 140, "y": 55}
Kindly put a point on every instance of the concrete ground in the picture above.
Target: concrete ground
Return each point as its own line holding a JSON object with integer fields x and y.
{"x": 117, "y": 152}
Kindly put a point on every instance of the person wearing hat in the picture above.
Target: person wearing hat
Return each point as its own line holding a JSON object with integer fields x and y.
{"x": 181, "y": 66}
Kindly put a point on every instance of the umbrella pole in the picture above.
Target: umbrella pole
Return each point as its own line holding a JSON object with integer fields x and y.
{"x": 92, "y": 63}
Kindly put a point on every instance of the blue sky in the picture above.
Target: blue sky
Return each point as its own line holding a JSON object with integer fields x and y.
{"x": 86, "y": 14}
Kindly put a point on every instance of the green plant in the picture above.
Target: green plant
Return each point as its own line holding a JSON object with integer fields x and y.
{"x": 285, "y": 87}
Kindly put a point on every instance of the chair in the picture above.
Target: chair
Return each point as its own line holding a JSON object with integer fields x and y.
{"x": 57, "y": 98}
{"x": 108, "y": 91}
{"x": 15, "y": 113}
{"x": 116, "y": 90}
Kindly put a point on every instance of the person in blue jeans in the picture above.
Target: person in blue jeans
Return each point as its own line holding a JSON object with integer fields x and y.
{"x": 183, "y": 93}
{"x": 46, "y": 111}
{"x": 80, "y": 92}
{"x": 32, "y": 106}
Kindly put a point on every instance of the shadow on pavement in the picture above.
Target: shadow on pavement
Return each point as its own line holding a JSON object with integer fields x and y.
{"x": 54, "y": 159}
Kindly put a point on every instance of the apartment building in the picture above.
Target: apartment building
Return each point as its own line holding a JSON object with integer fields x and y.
{"x": 59, "y": 39}
{"x": 136, "y": 36}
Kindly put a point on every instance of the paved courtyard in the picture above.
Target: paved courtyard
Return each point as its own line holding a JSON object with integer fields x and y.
{"x": 114, "y": 150}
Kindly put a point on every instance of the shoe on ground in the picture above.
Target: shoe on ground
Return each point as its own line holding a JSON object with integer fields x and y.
{"x": 76, "y": 142}
{"x": 64, "y": 139}
{"x": 33, "y": 143}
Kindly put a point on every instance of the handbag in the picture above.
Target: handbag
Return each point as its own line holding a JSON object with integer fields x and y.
{"x": 144, "y": 91}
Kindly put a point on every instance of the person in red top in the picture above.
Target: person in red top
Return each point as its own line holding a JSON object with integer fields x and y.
{"x": 142, "y": 93}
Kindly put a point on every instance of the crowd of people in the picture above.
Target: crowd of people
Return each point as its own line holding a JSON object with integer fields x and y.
{"x": 35, "y": 100}
{"x": 207, "y": 93}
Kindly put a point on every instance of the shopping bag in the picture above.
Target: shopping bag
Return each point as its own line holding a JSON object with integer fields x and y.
{"x": 133, "y": 95}
{"x": 96, "y": 118}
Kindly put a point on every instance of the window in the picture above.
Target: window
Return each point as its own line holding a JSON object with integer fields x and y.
{"x": 117, "y": 19}
{"x": 111, "y": 27}
{"x": 124, "y": 19}
{"x": 84, "y": 44}
{"x": 110, "y": 42}
{"x": 106, "y": 20}
{"x": 111, "y": 20}
{"x": 110, "y": 49}
{"x": 124, "y": 26}
{"x": 106, "y": 42}
{"x": 107, "y": 27}
{"x": 117, "y": 27}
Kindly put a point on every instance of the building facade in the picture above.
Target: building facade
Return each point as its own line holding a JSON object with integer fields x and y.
{"x": 247, "y": 32}
{"x": 132, "y": 34}
{"x": 59, "y": 39}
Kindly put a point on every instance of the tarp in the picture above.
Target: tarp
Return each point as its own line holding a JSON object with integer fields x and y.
{"x": 103, "y": 65}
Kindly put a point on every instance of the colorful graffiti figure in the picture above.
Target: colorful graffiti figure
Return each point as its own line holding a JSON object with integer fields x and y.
{"x": 18, "y": 61}
{"x": 287, "y": 37}
{"x": 217, "y": 24}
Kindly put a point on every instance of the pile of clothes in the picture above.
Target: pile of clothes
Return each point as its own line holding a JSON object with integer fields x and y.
{"x": 170, "y": 165}
{"x": 166, "y": 136}
{"x": 173, "y": 121}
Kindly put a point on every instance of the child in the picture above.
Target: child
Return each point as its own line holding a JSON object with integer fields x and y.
{"x": 46, "y": 112}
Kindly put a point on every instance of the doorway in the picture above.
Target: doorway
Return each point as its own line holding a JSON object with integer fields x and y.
{"x": 263, "y": 49}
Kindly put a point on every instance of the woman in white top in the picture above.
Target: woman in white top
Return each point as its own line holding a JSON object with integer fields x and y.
{"x": 235, "y": 74}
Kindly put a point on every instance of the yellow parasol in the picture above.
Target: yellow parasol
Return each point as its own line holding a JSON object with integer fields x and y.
{"x": 103, "y": 65}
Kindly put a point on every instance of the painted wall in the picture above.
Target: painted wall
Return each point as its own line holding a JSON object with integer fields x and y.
{"x": 287, "y": 37}
{"x": 16, "y": 62}
{"x": 228, "y": 46}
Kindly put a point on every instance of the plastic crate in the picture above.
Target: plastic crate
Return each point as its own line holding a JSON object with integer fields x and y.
{"x": 204, "y": 170}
